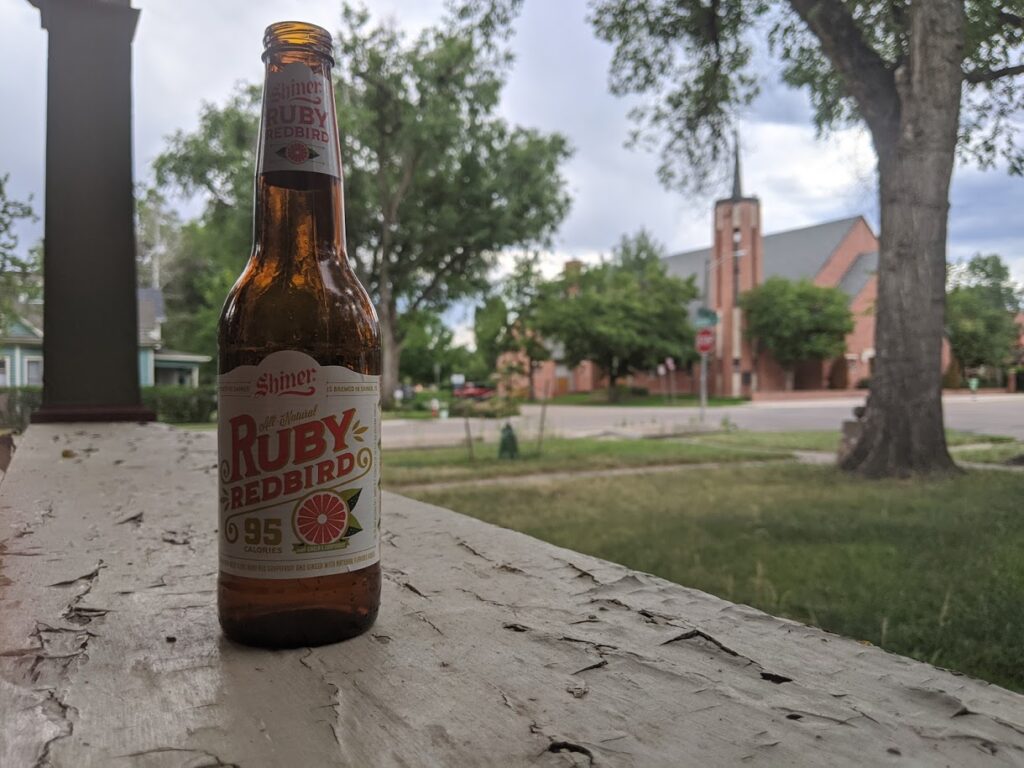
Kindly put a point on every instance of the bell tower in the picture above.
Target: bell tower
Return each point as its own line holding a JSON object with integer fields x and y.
{"x": 734, "y": 267}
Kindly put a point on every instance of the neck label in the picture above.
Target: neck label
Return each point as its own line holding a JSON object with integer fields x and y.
{"x": 300, "y": 127}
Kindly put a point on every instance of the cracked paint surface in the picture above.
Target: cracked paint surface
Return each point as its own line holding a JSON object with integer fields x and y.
{"x": 491, "y": 648}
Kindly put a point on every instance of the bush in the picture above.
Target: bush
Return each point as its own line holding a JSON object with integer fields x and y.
{"x": 494, "y": 408}
{"x": 180, "y": 405}
{"x": 176, "y": 405}
{"x": 864, "y": 383}
{"x": 639, "y": 391}
{"x": 17, "y": 404}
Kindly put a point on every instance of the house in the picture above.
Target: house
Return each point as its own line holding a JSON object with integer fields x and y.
{"x": 21, "y": 347}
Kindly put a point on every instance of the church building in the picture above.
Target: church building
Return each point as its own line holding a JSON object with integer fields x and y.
{"x": 841, "y": 254}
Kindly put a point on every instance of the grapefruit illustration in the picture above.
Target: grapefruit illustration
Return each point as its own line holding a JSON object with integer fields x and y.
{"x": 297, "y": 152}
{"x": 322, "y": 518}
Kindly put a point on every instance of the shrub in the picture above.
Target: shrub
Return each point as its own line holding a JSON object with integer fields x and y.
{"x": 176, "y": 405}
{"x": 639, "y": 391}
{"x": 494, "y": 408}
{"x": 17, "y": 404}
{"x": 179, "y": 405}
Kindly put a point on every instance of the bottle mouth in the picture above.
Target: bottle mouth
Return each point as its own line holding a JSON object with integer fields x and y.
{"x": 297, "y": 36}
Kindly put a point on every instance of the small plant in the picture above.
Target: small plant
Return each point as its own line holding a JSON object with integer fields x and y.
{"x": 17, "y": 405}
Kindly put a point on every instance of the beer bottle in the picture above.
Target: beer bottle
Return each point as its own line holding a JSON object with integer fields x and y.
{"x": 299, "y": 382}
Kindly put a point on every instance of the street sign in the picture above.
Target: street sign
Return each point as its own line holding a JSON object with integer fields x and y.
{"x": 706, "y": 318}
{"x": 670, "y": 363}
{"x": 705, "y": 340}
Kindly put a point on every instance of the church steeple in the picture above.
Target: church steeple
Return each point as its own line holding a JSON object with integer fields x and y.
{"x": 735, "y": 266}
{"x": 737, "y": 186}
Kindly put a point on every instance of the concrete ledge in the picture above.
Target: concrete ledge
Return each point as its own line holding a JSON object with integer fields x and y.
{"x": 492, "y": 648}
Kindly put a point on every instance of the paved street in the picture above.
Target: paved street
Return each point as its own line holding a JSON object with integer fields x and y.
{"x": 1001, "y": 414}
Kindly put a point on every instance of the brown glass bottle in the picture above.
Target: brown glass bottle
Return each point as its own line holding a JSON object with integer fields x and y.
{"x": 297, "y": 293}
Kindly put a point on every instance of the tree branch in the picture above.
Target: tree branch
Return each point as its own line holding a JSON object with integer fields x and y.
{"x": 975, "y": 76}
{"x": 865, "y": 74}
{"x": 1011, "y": 19}
{"x": 439, "y": 275}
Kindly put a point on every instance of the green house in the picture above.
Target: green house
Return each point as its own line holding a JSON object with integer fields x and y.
{"x": 21, "y": 348}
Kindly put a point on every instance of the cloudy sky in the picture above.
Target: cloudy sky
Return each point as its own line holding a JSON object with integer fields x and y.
{"x": 188, "y": 51}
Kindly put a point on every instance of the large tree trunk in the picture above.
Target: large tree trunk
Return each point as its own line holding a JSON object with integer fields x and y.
{"x": 391, "y": 353}
{"x": 903, "y": 432}
{"x": 613, "y": 392}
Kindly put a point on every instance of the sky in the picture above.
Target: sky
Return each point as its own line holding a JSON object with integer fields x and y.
{"x": 190, "y": 51}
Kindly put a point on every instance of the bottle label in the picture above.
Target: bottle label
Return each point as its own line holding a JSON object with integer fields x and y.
{"x": 300, "y": 126}
{"x": 299, "y": 466}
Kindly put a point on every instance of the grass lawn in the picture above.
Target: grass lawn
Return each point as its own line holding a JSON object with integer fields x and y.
{"x": 930, "y": 570}
{"x": 997, "y": 454}
{"x": 600, "y": 397}
{"x": 436, "y": 465}
{"x": 820, "y": 440}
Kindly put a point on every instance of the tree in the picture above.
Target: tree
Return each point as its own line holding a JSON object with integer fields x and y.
{"x": 523, "y": 335}
{"x": 489, "y": 323}
{"x": 903, "y": 68}
{"x": 157, "y": 237}
{"x": 436, "y": 183}
{"x": 215, "y": 162}
{"x": 797, "y": 321}
{"x": 19, "y": 274}
{"x": 625, "y": 315}
{"x": 428, "y": 342}
{"x": 982, "y": 307}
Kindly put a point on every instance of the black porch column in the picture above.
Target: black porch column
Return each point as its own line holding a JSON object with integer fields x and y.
{"x": 91, "y": 338}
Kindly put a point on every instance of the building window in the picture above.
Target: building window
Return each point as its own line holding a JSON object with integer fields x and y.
{"x": 4, "y": 368}
{"x": 33, "y": 371}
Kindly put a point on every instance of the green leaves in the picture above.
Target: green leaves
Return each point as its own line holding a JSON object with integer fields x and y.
{"x": 981, "y": 310}
{"x": 437, "y": 183}
{"x": 19, "y": 275}
{"x": 351, "y": 496}
{"x": 626, "y": 314}
{"x": 692, "y": 60}
{"x": 797, "y": 321}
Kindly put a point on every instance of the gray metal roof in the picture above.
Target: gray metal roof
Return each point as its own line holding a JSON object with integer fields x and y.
{"x": 689, "y": 263}
{"x": 793, "y": 254}
{"x": 800, "y": 253}
{"x": 859, "y": 273}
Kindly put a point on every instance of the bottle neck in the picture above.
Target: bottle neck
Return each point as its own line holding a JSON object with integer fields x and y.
{"x": 299, "y": 210}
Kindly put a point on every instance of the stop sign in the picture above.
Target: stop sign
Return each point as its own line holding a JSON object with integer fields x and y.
{"x": 705, "y": 340}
